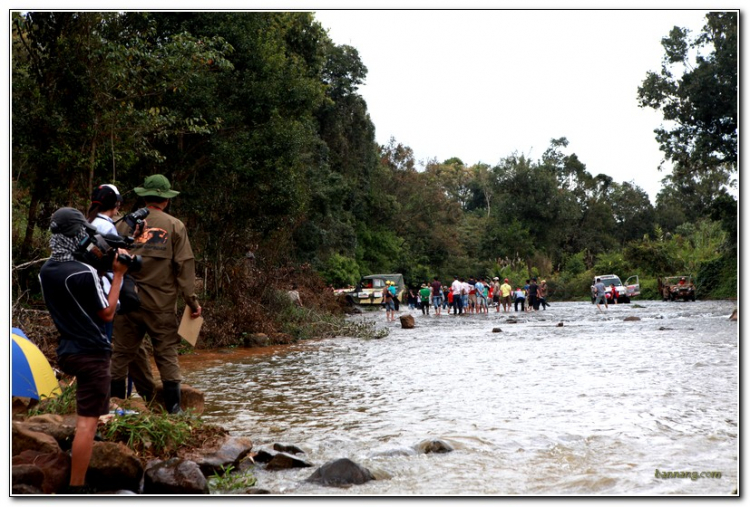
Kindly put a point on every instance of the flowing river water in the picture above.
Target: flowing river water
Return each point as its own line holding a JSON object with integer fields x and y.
{"x": 597, "y": 406}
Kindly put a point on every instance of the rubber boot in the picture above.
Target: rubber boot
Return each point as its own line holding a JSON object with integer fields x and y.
{"x": 172, "y": 396}
{"x": 117, "y": 388}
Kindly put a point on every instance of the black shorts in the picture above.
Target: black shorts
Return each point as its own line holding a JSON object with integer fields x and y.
{"x": 92, "y": 382}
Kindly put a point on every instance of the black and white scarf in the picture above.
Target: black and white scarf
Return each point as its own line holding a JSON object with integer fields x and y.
{"x": 63, "y": 246}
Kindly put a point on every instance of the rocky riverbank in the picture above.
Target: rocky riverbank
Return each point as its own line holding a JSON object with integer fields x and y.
{"x": 41, "y": 458}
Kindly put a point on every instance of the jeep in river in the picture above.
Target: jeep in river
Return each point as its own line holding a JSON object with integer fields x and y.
{"x": 369, "y": 290}
{"x": 632, "y": 287}
{"x": 677, "y": 287}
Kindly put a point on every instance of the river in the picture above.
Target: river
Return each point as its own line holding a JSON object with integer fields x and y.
{"x": 595, "y": 406}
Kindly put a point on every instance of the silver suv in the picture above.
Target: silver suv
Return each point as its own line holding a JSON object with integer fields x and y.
{"x": 624, "y": 292}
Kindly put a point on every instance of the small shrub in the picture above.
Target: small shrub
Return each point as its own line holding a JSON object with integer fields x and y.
{"x": 227, "y": 480}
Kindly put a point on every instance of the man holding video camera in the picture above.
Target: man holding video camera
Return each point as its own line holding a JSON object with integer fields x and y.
{"x": 168, "y": 270}
{"x": 79, "y": 307}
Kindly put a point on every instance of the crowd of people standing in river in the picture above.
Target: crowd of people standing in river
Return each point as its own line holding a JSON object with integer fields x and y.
{"x": 473, "y": 296}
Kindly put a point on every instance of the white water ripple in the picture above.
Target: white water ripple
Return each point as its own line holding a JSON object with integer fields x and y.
{"x": 592, "y": 407}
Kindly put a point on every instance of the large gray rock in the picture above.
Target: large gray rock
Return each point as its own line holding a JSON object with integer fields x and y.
{"x": 173, "y": 477}
{"x": 231, "y": 452}
{"x": 341, "y": 473}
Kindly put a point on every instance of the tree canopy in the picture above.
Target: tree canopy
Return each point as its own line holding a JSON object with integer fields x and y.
{"x": 698, "y": 99}
{"x": 256, "y": 118}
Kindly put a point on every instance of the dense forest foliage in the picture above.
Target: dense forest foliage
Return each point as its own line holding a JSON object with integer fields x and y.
{"x": 255, "y": 117}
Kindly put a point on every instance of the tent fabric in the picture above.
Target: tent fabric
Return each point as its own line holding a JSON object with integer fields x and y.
{"x": 31, "y": 374}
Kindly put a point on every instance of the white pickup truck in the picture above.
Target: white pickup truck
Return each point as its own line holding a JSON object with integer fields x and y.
{"x": 632, "y": 287}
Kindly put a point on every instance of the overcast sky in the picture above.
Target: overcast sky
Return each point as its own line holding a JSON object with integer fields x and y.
{"x": 482, "y": 84}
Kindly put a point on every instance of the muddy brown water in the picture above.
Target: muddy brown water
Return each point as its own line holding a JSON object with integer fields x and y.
{"x": 597, "y": 406}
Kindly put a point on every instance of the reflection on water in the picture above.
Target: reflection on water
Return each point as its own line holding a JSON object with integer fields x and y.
{"x": 594, "y": 406}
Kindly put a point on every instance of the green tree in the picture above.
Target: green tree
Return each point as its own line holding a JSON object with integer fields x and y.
{"x": 632, "y": 211}
{"x": 88, "y": 93}
{"x": 700, "y": 102}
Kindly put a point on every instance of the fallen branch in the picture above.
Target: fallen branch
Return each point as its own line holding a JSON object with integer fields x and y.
{"x": 30, "y": 263}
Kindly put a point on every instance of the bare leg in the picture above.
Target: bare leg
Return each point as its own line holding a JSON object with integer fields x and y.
{"x": 83, "y": 445}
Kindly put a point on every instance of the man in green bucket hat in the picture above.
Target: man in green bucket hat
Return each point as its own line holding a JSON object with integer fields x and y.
{"x": 156, "y": 186}
{"x": 168, "y": 271}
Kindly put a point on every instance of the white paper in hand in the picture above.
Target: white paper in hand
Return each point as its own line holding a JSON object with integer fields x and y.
{"x": 190, "y": 327}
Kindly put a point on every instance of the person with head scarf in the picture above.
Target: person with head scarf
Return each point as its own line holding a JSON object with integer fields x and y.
{"x": 80, "y": 308}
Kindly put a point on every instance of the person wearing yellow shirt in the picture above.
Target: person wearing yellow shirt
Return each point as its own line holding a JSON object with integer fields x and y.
{"x": 505, "y": 290}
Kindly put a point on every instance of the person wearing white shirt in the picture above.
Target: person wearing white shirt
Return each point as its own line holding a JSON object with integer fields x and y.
{"x": 457, "y": 288}
{"x": 105, "y": 205}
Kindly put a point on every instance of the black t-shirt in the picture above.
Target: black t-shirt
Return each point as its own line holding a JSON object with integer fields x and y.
{"x": 532, "y": 289}
{"x": 74, "y": 295}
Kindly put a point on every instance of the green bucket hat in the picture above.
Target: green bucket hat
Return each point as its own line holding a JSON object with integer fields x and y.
{"x": 156, "y": 185}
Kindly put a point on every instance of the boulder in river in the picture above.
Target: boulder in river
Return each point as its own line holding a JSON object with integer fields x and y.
{"x": 231, "y": 452}
{"x": 284, "y": 461}
{"x": 734, "y": 316}
{"x": 434, "y": 445}
{"x": 407, "y": 321}
{"x": 341, "y": 473}
{"x": 291, "y": 449}
{"x": 631, "y": 319}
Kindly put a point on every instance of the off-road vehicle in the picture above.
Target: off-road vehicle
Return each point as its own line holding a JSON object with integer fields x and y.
{"x": 677, "y": 287}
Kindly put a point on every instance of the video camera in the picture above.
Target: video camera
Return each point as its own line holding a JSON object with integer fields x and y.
{"x": 98, "y": 250}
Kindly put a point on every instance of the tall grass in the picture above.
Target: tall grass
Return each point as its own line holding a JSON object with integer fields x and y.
{"x": 153, "y": 433}
{"x": 62, "y": 404}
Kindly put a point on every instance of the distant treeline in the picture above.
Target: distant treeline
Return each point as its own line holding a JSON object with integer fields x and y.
{"x": 256, "y": 119}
